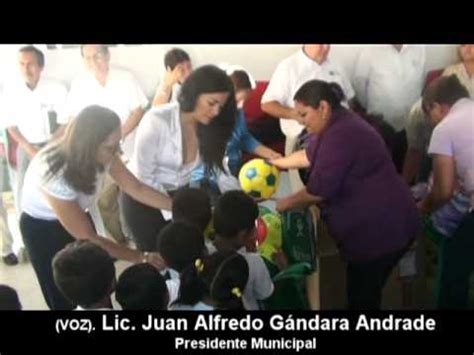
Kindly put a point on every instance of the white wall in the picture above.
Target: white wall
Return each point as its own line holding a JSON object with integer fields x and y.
{"x": 146, "y": 61}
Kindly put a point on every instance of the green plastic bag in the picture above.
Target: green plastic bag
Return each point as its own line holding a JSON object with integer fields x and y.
{"x": 299, "y": 238}
{"x": 290, "y": 289}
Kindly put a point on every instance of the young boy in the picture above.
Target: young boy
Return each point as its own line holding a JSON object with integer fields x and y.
{"x": 85, "y": 274}
{"x": 193, "y": 206}
{"x": 142, "y": 287}
{"x": 234, "y": 221}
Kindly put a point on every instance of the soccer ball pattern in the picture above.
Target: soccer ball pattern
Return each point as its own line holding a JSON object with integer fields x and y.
{"x": 259, "y": 179}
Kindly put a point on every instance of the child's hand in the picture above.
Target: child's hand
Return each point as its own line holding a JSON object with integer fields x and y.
{"x": 280, "y": 259}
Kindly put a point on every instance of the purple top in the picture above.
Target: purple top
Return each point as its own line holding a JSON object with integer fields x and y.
{"x": 368, "y": 208}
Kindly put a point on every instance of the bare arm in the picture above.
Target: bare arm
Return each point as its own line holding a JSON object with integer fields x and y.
{"x": 444, "y": 182}
{"x": 22, "y": 142}
{"x": 411, "y": 166}
{"x": 165, "y": 89}
{"x": 266, "y": 153}
{"x": 301, "y": 198}
{"x": 296, "y": 160}
{"x": 75, "y": 221}
{"x": 276, "y": 109}
{"x": 162, "y": 95}
{"x": 132, "y": 121}
{"x": 133, "y": 187}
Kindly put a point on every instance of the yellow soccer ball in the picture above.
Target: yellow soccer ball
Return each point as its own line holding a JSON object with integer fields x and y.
{"x": 259, "y": 179}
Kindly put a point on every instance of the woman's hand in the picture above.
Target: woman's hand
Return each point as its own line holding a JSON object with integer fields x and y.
{"x": 283, "y": 204}
{"x": 156, "y": 260}
{"x": 274, "y": 155}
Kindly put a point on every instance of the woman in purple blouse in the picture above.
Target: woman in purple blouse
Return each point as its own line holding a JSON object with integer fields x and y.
{"x": 368, "y": 208}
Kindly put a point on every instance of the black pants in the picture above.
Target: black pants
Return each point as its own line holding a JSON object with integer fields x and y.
{"x": 43, "y": 239}
{"x": 144, "y": 222}
{"x": 366, "y": 279}
{"x": 456, "y": 266}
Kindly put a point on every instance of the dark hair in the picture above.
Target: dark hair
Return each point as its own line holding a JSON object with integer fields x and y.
{"x": 221, "y": 276}
{"x": 84, "y": 273}
{"x": 103, "y": 48}
{"x": 234, "y": 212}
{"x": 76, "y": 151}
{"x": 9, "y": 300}
{"x": 313, "y": 92}
{"x": 193, "y": 206}
{"x": 180, "y": 244}
{"x": 142, "y": 287}
{"x": 175, "y": 56}
{"x": 38, "y": 54}
{"x": 443, "y": 90}
{"x": 241, "y": 80}
{"x": 213, "y": 137}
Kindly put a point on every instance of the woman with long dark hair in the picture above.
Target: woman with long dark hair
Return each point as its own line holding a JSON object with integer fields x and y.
{"x": 62, "y": 182}
{"x": 173, "y": 139}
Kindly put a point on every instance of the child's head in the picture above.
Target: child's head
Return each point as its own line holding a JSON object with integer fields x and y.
{"x": 180, "y": 244}
{"x": 9, "y": 300}
{"x": 85, "y": 274}
{"x": 142, "y": 287}
{"x": 242, "y": 85}
{"x": 218, "y": 279}
{"x": 192, "y": 206}
{"x": 234, "y": 218}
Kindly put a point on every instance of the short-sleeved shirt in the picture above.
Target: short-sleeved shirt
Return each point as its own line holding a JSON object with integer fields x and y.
{"x": 454, "y": 137}
{"x": 388, "y": 82}
{"x": 419, "y": 129}
{"x": 35, "y": 204}
{"x": 121, "y": 94}
{"x": 259, "y": 285}
{"x": 291, "y": 74}
{"x": 30, "y": 110}
{"x": 368, "y": 208}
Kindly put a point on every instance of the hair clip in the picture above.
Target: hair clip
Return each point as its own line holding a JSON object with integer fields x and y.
{"x": 236, "y": 292}
{"x": 199, "y": 265}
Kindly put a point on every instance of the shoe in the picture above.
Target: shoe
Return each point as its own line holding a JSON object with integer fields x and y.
{"x": 10, "y": 259}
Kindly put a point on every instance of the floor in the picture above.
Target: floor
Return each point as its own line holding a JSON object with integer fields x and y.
{"x": 22, "y": 277}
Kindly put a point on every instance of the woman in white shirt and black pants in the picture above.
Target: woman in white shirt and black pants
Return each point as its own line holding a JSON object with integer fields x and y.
{"x": 171, "y": 141}
{"x": 61, "y": 183}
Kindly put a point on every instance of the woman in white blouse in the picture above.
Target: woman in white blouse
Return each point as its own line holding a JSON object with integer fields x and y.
{"x": 62, "y": 182}
{"x": 172, "y": 139}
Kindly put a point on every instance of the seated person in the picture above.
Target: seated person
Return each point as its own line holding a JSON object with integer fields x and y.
{"x": 9, "y": 300}
{"x": 213, "y": 282}
{"x": 85, "y": 274}
{"x": 142, "y": 287}
{"x": 234, "y": 221}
